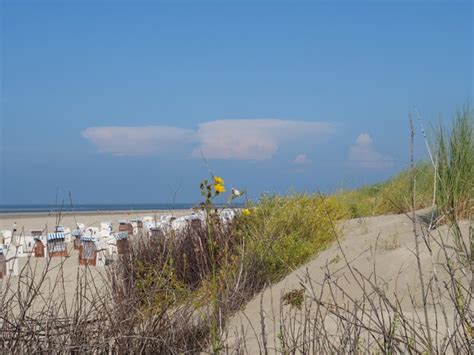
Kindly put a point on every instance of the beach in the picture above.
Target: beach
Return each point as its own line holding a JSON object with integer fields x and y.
{"x": 65, "y": 269}
{"x": 46, "y": 221}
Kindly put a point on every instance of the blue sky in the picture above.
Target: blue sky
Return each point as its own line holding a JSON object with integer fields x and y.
{"x": 115, "y": 101}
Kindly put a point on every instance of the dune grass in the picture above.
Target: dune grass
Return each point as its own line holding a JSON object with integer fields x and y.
{"x": 453, "y": 167}
{"x": 391, "y": 196}
{"x": 454, "y": 160}
{"x": 283, "y": 232}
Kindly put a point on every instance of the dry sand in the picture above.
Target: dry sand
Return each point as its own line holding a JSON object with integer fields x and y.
{"x": 387, "y": 241}
{"x": 27, "y": 221}
{"x": 59, "y": 268}
{"x": 58, "y": 277}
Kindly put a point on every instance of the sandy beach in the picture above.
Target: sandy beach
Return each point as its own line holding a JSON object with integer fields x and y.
{"x": 46, "y": 221}
{"x": 65, "y": 269}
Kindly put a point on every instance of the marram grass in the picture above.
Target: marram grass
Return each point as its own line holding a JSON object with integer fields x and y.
{"x": 391, "y": 196}
{"x": 453, "y": 155}
{"x": 454, "y": 159}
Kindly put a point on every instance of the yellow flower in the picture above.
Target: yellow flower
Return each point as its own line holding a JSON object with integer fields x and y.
{"x": 218, "y": 180}
{"x": 245, "y": 211}
{"x": 219, "y": 188}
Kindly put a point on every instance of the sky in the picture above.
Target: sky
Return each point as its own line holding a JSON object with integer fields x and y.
{"x": 119, "y": 101}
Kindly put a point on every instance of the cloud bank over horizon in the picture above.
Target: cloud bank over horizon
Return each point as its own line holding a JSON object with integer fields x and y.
{"x": 137, "y": 140}
{"x": 232, "y": 139}
{"x": 363, "y": 154}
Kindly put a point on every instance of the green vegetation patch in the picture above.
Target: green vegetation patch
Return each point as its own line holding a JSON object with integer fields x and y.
{"x": 391, "y": 196}
{"x": 285, "y": 231}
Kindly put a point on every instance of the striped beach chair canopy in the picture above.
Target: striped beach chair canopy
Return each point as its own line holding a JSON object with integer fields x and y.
{"x": 121, "y": 235}
{"x": 88, "y": 238}
{"x": 55, "y": 236}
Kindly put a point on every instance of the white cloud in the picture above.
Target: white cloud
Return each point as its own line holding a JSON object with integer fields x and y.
{"x": 138, "y": 140}
{"x": 363, "y": 154}
{"x": 302, "y": 159}
{"x": 364, "y": 139}
{"x": 257, "y": 139}
{"x": 238, "y": 139}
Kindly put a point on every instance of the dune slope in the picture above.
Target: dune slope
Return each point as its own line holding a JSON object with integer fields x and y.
{"x": 380, "y": 248}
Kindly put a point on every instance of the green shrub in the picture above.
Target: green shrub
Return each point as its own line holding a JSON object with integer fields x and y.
{"x": 285, "y": 231}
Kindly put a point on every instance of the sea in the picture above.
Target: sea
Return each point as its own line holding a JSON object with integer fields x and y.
{"x": 51, "y": 208}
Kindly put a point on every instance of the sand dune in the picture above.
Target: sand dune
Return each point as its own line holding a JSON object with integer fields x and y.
{"x": 386, "y": 242}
